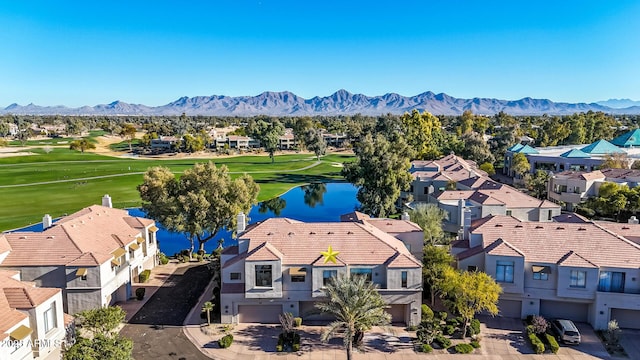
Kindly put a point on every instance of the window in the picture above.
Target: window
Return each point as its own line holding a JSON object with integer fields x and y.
{"x": 611, "y": 281}
{"x": 234, "y": 276}
{"x": 509, "y": 212}
{"x": 298, "y": 274}
{"x": 327, "y": 275}
{"x": 263, "y": 276}
{"x": 83, "y": 277}
{"x": 362, "y": 272}
{"x": 504, "y": 271}
{"x": 550, "y": 214}
{"x": 540, "y": 276}
{"x": 50, "y": 318}
{"x": 403, "y": 277}
{"x": 540, "y": 272}
{"x": 578, "y": 279}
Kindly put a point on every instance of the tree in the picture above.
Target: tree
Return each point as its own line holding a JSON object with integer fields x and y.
{"x": 104, "y": 342}
{"x": 519, "y": 164}
{"x": 4, "y": 129}
{"x": 300, "y": 129}
{"x": 357, "y": 307}
{"x": 423, "y": 133}
{"x": 315, "y": 142}
{"x": 269, "y": 134}
{"x": 146, "y": 138}
{"x": 468, "y": 293}
{"x": 616, "y": 161}
{"x": 436, "y": 259}
{"x": 82, "y": 145}
{"x": 475, "y": 148}
{"x": 488, "y": 168}
{"x": 429, "y": 217}
{"x": 204, "y": 200}
{"x": 381, "y": 170}
{"x": 537, "y": 183}
{"x": 128, "y": 132}
{"x": 208, "y": 307}
{"x": 192, "y": 143}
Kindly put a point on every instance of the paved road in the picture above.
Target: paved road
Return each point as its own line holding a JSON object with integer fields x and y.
{"x": 156, "y": 329}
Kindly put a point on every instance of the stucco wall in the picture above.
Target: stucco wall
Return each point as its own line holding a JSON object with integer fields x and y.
{"x": 253, "y": 291}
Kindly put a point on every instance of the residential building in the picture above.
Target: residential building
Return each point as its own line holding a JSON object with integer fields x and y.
{"x": 164, "y": 143}
{"x": 583, "y": 271}
{"x": 575, "y": 187}
{"x": 278, "y": 267}
{"x": 32, "y": 322}
{"x": 93, "y": 255}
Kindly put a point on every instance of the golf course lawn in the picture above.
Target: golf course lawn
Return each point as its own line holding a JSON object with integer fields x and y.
{"x": 63, "y": 181}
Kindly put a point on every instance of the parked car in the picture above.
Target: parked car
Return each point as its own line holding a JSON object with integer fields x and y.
{"x": 566, "y": 331}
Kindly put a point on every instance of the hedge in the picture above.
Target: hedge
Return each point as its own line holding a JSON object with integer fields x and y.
{"x": 144, "y": 276}
{"x": 538, "y": 345}
{"x": 463, "y": 348}
{"x": 553, "y": 344}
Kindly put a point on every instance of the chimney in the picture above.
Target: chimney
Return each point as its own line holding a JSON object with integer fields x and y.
{"x": 405, "y": 216}
{"x": 242, "y": 223}
{"x": 46, "y": 222}
{"x": 466, "y": 224}
{"x": 106, "y": 201}
{"x": 633, "y": 220}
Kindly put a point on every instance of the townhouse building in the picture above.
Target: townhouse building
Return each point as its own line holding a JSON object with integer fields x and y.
{"x": 583, "y": 271}
{"x": 278, "y": 266}
{"x": 32, "y": 322}
{"x": 93, "y": 255}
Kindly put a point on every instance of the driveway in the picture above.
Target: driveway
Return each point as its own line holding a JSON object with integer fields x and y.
{"x": 630, "y": 340}
{"x": 156, "y": 330}
{"x": 505, "y": 337}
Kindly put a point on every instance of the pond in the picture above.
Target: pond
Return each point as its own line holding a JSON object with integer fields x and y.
{"x": 312, "y": 203}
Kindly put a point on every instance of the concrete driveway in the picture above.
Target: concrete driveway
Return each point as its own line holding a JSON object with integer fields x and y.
{"x": 630, "y": 340}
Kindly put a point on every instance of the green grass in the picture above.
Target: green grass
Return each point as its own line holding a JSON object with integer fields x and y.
{"x": 62, "y": 141}
{"x": 22, "y": 205}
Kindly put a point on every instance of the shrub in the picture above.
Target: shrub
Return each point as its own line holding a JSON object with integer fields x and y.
{"x": 443, "y": 315}
{"x": 199, "y": 258}
{"x": 427, "y": 332}
{"x": 297, "y": 322}
{"x": 613, "y": 331}
{"x": 463, "y": 348}
{"x": 144, "y": 276}
{"x": 427, "y": 313}
{"x": 538, "y": 346}
{"x": 225, "y": 341}
{"x": 539, "y": 324}
{"x": 412, "y": 328}
{"x": 475, "y": 344}
{"x": 140, "y": 293}
{"x": 530, "y": 329}
{"x": 475, "y": 326}
{"x": 449, "y": 329}
{"x": 296, "y": 347}
{"x": 164, "y": 260}
{"x": 553, "y": 344}
{"x": 426, "y": 348}
{"x": 279, "y": 348}
{"x": 453, "y": 322}
{"x": 443, "y": 342}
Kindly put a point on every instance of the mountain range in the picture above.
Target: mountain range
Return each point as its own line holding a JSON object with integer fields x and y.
{"x": 341, "y": 102}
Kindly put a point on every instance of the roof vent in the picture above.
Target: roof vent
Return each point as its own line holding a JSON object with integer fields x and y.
{"x": 50, "y": 237}
{"x": 349, "y": 232}
{"x": 269, "y": 233}
{"x": 498, "y": 225}
{"x": 518, "y": 226}
{"x": 583, "y": 229}
{"x": 312, "y": 233}
{"x": 330, "y": 233}
{"x": 291, "y": 233}
{"x": 560, "y": 228}
{"x": 23, "y": 237}
{"x": 539, "y": 227}
{"x": 625, "y": 228}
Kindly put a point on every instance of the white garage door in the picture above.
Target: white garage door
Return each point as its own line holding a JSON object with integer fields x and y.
{"x": 629, "y": 319}
{"x": 397, "y": 312}
{"x": 510, "y": 308}
{"x": 564, "y": 310}
{"x": 264, "y": 314}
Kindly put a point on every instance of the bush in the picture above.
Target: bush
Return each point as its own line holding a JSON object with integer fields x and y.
{"x": 443, "y": 315}
{"x": 538, "y": 346}
{"x": 463, "y": 348}
{"x": 530, "y": 329}
{"x": 426, "y": 348}
{"x": 164, "y": 260}
{"x": 553, "y": 344}
{"x": 453, "y": 322}
{"x": 412, "y": 328}
{"x": 140, "y": 293}
{"x": 539, "y": 324}
{"x": 443, "y": 342}
{"x": 199, "y": 258}
{"x": 144, "y": 276}
{"x": 475, "y": 327}
{"x": 279, "y": 348}
{"x": 296, "y": 347}
{"x": 297, "y": 322}
{"x": 427, "y": 313}
{"x": 225, "y": 341}
{"x": 475, "y": 344}
{"x": 449, "y": 329}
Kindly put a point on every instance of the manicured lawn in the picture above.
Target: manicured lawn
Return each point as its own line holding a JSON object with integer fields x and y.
{"x": 61, "y": 141}
{"x": 22, "y": 205}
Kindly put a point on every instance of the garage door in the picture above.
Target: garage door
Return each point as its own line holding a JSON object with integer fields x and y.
{"x": 397, "y": 313}
{"x": 308, "y": 312}
{"x": 265, "y": 314}
{"x": 564, "y": 310}
{"x": 629, "y": 319}
{"x": 510, "y": 308}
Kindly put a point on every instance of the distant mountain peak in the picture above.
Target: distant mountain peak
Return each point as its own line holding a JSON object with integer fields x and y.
{"x": 341, "y": 102}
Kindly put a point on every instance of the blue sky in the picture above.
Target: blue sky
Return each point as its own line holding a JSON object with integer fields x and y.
{"x": 152, "y": 52}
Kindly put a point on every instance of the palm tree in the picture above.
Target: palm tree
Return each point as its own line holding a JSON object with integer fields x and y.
{"x": 357, "y": 306}
{"x": 208, "y": 306}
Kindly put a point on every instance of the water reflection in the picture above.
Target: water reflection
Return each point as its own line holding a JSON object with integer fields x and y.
{"x": 314, "y": 194}
{"x": 275, "y": 205}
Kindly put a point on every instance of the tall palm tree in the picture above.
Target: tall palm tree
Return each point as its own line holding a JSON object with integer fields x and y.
{"x": 357, "y": 306}
{"x": 208, "y": 307}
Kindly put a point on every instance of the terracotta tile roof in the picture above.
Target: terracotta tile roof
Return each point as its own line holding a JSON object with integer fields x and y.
{"x": 581, "y": 175}
{"x": 85, "y": 238}
{"x": 264, "y": 252}
{"x": 394, "y": 226}
{"x": 460, "y": 244}
{"x": 470, "y": 252}
{"x": 354, "y": 216}
{"x": 15, "y": 295}
{"x": 551, "y": 242}
{"x": 503, "y": 248}
{"x": 450, "y": 167}
{"x": 402, "y": 261}
{"x": 4, "y": 244}
{"x": 620, "y": 173}
{"x": 629, "y": 231}
{"x": 68, "y": 319}
{"x": 455, "y": 194}
{"x": 575, "y": 260}
{"x": 301, "y": 243}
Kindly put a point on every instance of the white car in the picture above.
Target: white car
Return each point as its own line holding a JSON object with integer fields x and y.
{"x": 566, "y": 331}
